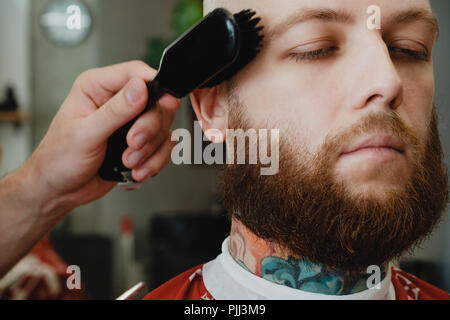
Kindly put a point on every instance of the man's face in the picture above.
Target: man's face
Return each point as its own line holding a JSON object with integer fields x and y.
{"x": 322, "y": 70}
{"x": 361, "y": 174}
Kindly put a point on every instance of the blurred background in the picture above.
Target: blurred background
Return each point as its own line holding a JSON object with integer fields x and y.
{"x": 174, "y": 222}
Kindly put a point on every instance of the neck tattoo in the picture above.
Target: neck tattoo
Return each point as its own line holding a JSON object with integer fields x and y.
{"x": 270, "y": 262}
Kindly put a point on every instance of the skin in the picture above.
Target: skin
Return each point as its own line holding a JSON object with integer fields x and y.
{"x": 368, "y": 73}
{"x": 62, "y": 172}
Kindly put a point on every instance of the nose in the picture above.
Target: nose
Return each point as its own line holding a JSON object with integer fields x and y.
{"x": 378, "y": 84}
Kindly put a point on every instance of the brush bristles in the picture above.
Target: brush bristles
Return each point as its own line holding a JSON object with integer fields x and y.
{"x": 251, "y": 39}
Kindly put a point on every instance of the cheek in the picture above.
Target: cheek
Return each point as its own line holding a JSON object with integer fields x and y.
{"x": 291, "y": 100}
{"x": 418, "y": 102}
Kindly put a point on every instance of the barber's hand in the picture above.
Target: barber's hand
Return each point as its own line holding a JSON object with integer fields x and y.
{"x": 66, "y": 162}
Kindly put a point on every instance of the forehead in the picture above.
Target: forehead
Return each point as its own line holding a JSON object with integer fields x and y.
{"x": 273, "y": 12}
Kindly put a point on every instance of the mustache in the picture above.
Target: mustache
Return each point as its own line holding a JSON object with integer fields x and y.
{"x": 386, "y": 122}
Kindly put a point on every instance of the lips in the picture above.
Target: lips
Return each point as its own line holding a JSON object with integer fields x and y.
{"x": 376, "y": 141}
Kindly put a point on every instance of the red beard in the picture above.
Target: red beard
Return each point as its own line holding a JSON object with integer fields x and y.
{"x": 312, "y": 216}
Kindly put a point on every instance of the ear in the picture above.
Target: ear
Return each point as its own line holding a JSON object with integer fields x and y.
{"x": 210, "y": 108}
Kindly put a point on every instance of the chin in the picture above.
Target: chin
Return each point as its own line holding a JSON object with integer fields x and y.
{"x": 375, "y": 190}
{"x": 374, "y": 182}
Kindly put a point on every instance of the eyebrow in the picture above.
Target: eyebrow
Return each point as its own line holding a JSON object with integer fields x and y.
{"x": 341, "y": 16}
{"x": 415, "y": 15}
{"x": 310, "y": 14}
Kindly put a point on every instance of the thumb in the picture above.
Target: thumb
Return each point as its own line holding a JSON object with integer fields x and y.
{"x": 126, "y": 105}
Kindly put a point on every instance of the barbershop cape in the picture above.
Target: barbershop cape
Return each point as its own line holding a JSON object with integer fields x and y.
{"x": 224, "y": 279}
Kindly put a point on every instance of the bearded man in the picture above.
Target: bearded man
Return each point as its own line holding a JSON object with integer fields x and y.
{"x": 361, "y": 175}
{"x": 360, "y": 181}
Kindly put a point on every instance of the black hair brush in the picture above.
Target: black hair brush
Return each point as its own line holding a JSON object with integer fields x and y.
{"x": 211, "y": 52}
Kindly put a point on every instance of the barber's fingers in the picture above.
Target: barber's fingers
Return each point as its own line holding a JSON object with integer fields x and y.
{"x": 127, "y": 104}
{"x": 156, "y": 122}
{"x": 169, "y": 103}
{"x": 150, "y": 132}
{"x": 101, "y": 84}
{"x": 133, "y": 158}
{"x": 156, "y": 162}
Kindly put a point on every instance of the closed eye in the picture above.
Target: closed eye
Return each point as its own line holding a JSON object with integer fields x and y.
{"x": 409, "y": 49}
{"x": 313, "y": 55}
{"x": 313, "y": 51}
{"x": 408, "y": 54}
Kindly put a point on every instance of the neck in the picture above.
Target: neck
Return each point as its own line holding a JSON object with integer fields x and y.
{"x": 272, "y": 262}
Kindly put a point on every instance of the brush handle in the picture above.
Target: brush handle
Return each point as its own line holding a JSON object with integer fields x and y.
{"x": 113, "y": 168}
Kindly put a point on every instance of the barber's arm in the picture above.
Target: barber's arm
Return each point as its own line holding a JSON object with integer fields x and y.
{"x": 62, "y": 172}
